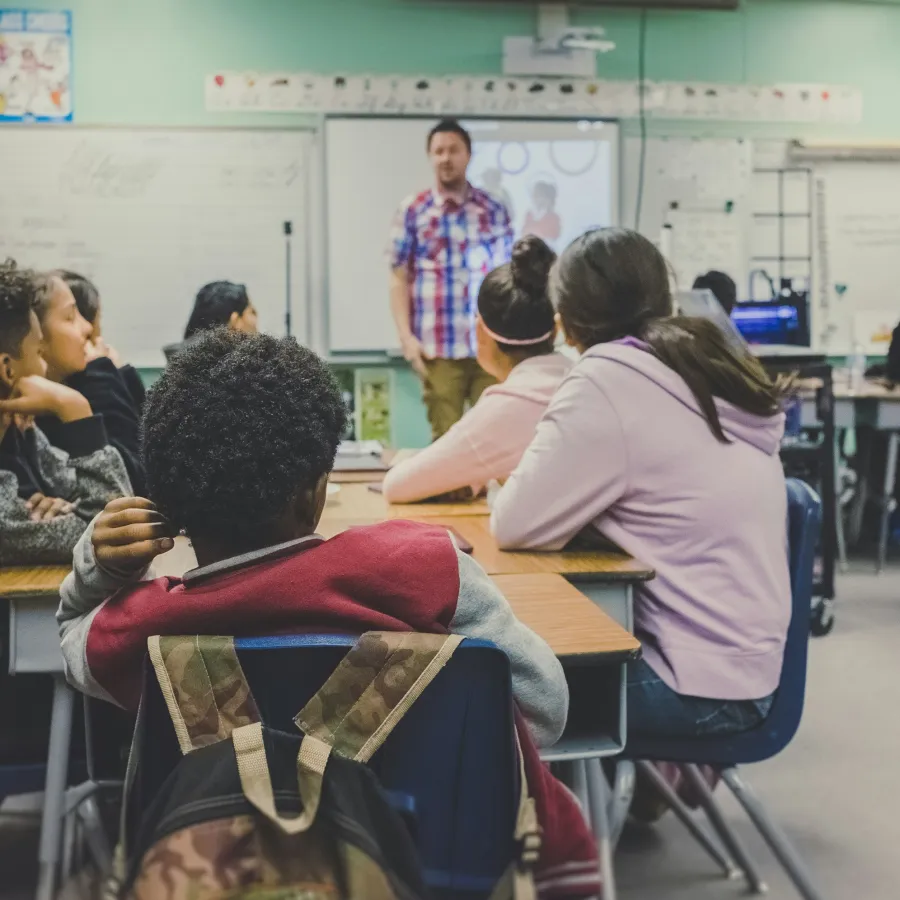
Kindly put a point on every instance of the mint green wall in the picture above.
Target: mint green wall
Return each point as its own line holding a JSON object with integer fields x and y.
{"x": 142, "y": 62}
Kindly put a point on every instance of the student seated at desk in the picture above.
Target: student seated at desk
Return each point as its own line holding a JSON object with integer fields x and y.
{"x": 217, "y": 303}
{"x": 87, "y": 299}
{"x": 47, "y": 494}
{"x": 515, "y": 331}
{"x": 80, "y": 361}
{"x": 240, "y": 433}
{"x": 666, "y": 442}
{"x": 721, "y": 286}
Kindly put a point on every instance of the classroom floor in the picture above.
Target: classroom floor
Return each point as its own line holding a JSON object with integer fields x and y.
{"x": 834, "y": 790}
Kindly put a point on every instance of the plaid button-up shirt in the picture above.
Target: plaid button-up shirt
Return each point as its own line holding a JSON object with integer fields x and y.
{"x": 448, "y": 247}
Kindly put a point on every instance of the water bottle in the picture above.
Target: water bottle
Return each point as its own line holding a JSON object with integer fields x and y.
{"x": 857, "y": 368}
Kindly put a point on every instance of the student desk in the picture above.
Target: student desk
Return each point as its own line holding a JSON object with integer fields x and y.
{"x": 878, "y": 406}
{"x": 33, "y": 597}
{"x": 355, "y": 501}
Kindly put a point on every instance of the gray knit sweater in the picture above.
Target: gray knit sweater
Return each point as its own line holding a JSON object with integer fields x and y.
{"x": 91, "y": 474}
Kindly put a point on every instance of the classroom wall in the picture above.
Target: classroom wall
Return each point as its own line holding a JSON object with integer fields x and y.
{"x": 143, "y": 63}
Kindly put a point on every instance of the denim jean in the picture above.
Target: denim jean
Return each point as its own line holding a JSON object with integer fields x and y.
{"x": 655, "y": 710}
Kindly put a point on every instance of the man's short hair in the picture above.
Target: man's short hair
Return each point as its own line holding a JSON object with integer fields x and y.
{"x": 722, "y": 286}
{"x": 450, "y": 126}
{"x": 17, "y": 296}
{"x": 234, "y": 428}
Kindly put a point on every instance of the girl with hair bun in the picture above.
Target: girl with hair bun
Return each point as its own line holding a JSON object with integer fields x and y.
{"x": 516, "y": 333}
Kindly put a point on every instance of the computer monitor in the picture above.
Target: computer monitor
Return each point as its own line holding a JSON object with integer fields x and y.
{"x": 773, "y": 322}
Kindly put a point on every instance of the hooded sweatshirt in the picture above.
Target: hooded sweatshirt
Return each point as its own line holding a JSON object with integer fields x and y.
{"x": 624, "y": 447}
{"x": 489, "y": 440}
{"x": 395, "y": 576}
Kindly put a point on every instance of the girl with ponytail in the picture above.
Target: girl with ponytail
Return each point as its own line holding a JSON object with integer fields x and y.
{"x": 665, "y": 440}
{"x": 516, "y": 333}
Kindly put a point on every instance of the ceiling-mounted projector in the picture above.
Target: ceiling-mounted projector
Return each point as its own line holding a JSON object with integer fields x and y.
{"x": 582, "y": 39}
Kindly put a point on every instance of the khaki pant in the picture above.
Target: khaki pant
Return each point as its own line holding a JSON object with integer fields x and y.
{"x": 448, "y": 384}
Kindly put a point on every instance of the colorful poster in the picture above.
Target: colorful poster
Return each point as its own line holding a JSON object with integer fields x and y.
{"x": 35, "y": 66}
{"x": 373, "y": 405}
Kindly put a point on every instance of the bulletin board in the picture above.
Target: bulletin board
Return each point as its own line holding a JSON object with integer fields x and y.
{"x": 35, "y": 66}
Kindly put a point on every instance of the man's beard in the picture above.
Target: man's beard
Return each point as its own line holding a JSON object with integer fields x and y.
{"x": 455, "y": 184}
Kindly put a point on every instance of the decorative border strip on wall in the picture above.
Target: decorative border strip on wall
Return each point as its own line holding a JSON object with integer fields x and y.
{"x": 502, "y": 96}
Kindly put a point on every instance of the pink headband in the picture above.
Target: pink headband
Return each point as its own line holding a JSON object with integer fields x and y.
{"x": 521, "y": 343}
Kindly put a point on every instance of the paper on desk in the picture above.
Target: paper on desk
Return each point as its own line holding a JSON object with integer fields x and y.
{"x": 360, "y": 448}
{"x": 872, "y": 329}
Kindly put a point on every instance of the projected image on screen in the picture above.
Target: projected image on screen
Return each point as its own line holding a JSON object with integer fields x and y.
{"x": 554, "y": 189}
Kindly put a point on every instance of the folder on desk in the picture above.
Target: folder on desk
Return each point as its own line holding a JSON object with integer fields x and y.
{"x": 360, "y": 456}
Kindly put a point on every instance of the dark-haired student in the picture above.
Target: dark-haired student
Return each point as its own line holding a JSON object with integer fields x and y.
{"x": 241, "y": 433}
{"x": 87, "y": 299}
{"x": 222, "y": 303}
{"x": 515, "y": 331}
{"x": 73, "y": 359}
{"x": 721, "y": 286}
{"x": 47, "y": 494}
{"x": 216, "y": 304}
{"x": 665, "y": 441}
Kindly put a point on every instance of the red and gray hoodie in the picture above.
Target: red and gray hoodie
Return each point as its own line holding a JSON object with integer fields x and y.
{"x": 395, "y": 576}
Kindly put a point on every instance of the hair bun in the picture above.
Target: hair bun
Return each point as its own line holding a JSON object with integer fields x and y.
{"x": 530, "y": 265}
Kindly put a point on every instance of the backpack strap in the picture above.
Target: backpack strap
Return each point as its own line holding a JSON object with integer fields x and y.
{"x": 372, "y": 688}
{"x": 517, "y": 882}
{"x": 353, "y": 713}
{"x": 250, "y": 752}
{"x": 204, "y": 687}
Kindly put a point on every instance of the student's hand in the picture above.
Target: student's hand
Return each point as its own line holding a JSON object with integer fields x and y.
{"x": 99, "y": 348}
{"x": 36, "y": 396}
{"x": 414, "y": 353}
{"x": 129, "y": 534}
{"x": 44, "y": 509}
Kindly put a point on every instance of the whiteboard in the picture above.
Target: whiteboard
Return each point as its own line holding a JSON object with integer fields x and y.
{"x": 858, "y": 219}
{"x": 373, "y": 164}
{"x": 701, "y": 176}
{"x": 151, "y": 215}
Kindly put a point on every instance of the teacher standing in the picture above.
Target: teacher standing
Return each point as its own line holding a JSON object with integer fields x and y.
{"x": 443, "y": 242}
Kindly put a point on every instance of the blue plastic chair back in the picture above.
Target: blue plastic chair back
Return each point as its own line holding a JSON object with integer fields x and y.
{"x": 780, "y": 726}
{"x": 27, "y": 778}
{"x": 450, "y": 765}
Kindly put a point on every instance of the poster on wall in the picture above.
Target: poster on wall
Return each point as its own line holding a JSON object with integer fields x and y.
{"x": 35, "y": 66}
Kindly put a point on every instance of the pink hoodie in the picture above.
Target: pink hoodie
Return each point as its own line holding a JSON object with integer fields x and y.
{"x": 624, "y": 447}
{"x": 488, "y": 441}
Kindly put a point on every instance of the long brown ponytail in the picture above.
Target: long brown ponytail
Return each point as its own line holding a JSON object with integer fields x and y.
{"x": 613, "y": 283}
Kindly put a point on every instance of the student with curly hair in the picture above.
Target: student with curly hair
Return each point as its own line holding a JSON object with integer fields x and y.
{"x": 47, "y": 494}
{"x": 240, "y": 434}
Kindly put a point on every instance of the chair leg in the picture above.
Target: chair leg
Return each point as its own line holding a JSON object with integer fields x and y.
{"x": 840, "y": 531}
{"x": 622, "y": 795}
{"x": 774, "y": 836}
{"x": 887, "y": 500}
{"x": 677, "y": 805}
{"x": 55, "y": 788}
{"x": 97, "y": 841}
{"x": 577, "y": 780}
{"x": 598, "y": 792}
{"x": 726, "y": 833}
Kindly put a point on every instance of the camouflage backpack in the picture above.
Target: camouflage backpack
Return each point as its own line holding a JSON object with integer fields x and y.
{"x": 258, "y": 814}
